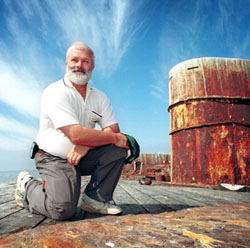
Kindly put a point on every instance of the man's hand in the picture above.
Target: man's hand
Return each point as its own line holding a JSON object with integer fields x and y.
{"x": 121, "y": 141}
{"x": 76, "y": 153}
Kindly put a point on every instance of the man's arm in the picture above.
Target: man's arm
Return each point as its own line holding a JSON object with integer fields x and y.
{"x": 94, "y": 138}
{"x": 113, "y": 128}
{"x": 79, "y": 151}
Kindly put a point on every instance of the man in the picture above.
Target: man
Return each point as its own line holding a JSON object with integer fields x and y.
{"x": 69, "y": 146}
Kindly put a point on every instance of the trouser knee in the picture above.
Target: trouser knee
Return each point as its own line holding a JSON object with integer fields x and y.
{"x": 62, "y": 211}
{"x": 113, "y": 153}
{"x": 122, "y": 152}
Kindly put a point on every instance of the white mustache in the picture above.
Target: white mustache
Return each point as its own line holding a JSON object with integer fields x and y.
{"x": 78, "y": 69}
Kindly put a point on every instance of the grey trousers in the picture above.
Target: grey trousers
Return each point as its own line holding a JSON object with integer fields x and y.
{"x": 57, "y": 195}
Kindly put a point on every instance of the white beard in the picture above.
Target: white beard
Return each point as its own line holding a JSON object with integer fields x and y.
{"x": 78, "y": 78}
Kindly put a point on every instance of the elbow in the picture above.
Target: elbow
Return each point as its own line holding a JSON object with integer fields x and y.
{"x": 73, "y": 133}
{"x": 75, "y": 138}
{"x": 79, "y": 136}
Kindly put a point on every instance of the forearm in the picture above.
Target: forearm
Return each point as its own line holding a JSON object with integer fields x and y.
{"x": 93, "y": 138}
{"x": 113, "y": 128}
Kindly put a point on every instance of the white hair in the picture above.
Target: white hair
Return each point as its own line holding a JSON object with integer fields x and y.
{"x": 80, "y": 45}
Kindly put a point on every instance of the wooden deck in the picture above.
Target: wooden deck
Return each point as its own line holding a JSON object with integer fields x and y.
{"x": 130, "y": 195}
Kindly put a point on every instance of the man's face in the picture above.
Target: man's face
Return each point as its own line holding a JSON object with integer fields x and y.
{"x": 79, "y": 66}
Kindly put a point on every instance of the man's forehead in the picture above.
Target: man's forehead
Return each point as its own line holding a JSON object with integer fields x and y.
{"x": 77, "y": 51}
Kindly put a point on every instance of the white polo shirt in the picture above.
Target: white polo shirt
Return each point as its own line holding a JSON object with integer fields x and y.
{"x": 62, "y": 105}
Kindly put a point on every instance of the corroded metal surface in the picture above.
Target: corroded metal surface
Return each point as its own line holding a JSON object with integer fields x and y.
{"x": 210, "y": 121}
{"x": 158, "y": 172}
{"x": 208, "y": 78}
{"x": 221, "y": 226}
{"x": 195, "y": 114}
{"x": 212, "y": 155}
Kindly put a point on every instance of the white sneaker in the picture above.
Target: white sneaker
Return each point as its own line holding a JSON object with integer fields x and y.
{"x": 22, "y": 179}
{"x": 90, "y": 205}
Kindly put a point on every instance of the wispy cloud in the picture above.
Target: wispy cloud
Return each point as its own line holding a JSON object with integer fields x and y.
{"x": 14, "y": 127}
{"x": 232, "y": 15}
{"x": 107, "y": 26}
{"x": 21, "y": 94}
{"x": 19, "y": 90}
{"x": 14, "y": 143}
{"x": 15, "y": 135}
{"x": 160, "y": 87}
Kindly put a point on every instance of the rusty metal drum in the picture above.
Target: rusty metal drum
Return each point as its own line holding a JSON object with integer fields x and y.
{"x": 210, "y": 121}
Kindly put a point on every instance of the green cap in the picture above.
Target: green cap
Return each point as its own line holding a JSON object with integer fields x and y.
{"x": 134, "y": 149}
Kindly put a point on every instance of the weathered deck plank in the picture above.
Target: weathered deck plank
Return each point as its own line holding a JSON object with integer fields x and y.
{"x": 185, "y": 198}
{"x": 131, "y": 205}
{"x": 171, "y": 194}
{"x": 150, "y": 204}
{"x": 8, "y": 208}
{"x": 6, "y": 192}
{"x": 21, "y": 220}
{"x": 218, "y": 196}
{"x": 132, "y": 197}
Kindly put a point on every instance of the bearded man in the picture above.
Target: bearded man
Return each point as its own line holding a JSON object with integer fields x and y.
{"x": 69, "y": 147}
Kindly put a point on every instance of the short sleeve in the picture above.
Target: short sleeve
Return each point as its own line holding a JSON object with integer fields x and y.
{"x": 108, "y": 117}
{"x": 59, "y": 107}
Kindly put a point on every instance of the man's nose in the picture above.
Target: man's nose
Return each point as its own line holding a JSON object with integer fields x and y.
{"x": 79, "y": 64}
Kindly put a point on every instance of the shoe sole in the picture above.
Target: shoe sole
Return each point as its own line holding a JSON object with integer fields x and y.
{"x": 18, "y": 197}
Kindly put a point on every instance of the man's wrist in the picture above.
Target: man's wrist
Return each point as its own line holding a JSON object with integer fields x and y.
{"x": 113, "y": 138}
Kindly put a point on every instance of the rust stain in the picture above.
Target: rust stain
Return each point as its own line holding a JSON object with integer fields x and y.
{"x": 204, "y": 239}
{"x": 214, "y": 77}
{"x": 210, "y": 121}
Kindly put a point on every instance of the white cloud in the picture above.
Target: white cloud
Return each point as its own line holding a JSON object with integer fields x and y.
{"x": 106, "y": 26}
{"x": 14, "y": 143}
{"x": 15, "y": 127}
{"x": 231, "y": 26}
{"x": 22, "y": 93}
{"x": 160, "y": 86}
{"x": 19, "y": 90}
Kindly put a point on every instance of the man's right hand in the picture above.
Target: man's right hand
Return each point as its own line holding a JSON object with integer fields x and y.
{"x": 76, "y": 153}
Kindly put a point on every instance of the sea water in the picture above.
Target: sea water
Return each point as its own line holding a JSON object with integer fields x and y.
{"x": 11, "y": 176}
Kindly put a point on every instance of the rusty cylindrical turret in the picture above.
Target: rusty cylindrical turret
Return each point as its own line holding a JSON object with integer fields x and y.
{"x": 210, "y": 121}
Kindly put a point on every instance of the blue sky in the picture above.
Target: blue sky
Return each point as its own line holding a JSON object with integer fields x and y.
{"x": 136, "y": 43}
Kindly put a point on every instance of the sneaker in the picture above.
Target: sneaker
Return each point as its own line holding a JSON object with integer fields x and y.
{"x": 22, "y": 179}
{"x": 92, "y": 206}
